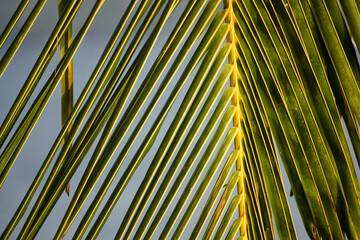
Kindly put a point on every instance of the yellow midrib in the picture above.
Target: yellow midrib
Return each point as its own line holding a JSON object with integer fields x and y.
{"x": 230, "y": 19}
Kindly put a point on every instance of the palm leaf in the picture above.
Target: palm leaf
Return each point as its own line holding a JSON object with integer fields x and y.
{"x": 238, "y": 89}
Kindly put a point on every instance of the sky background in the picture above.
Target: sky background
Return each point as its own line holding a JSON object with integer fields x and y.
{"x": 45, "y": 132}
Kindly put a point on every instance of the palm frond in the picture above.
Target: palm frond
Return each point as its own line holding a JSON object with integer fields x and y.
{"x": 204, "y": 120}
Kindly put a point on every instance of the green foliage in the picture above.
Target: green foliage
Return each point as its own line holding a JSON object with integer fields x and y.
{"x": 254, "y": 84}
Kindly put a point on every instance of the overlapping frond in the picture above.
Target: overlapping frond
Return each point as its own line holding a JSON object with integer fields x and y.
{"x": 288, "y": 84}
